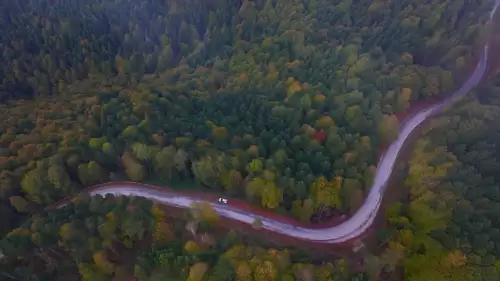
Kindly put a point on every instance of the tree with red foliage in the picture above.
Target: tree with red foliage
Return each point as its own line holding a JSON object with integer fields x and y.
{"x": 320, "y": 136}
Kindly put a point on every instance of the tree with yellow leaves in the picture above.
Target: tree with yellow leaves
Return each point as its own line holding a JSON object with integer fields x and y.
{"x": 133, "y": 169}
{"x": 319, "y": 98}
{"x": 197, "y": 271}
{"x": 162, "y": 233}
{"x": 210, "y": 169}
{"x": 192, "y": 247}
{"x": 243, "y": 271}
{"x": 265, "y": 271}
{"x": 265, "y": 188}
{"x": 405, "y": 237}
{"x": 392, "y": 256}
{"x": 232, "y": 180}
{"x": 158, "y": 213}
{"x": 388, "y": 128}
{"x": 255, "y": 166}
{"x": 67, "y": 232}
{"x": 102, "y": 262}
{"x": 454, "y": 259}
{"x": 422, "y": 178}
{"x": 204, "y": 212}
{"x": 292, "y": 86}
{"x": 323, "y": 272}
{"x": 219, "y": 133}
{"x": 325, "y": 122}
{"x": 164, "y": 163}
{"x": 394, "y": 217}
{"x": 325, "y": 192}
{"x": 270, "y": 195}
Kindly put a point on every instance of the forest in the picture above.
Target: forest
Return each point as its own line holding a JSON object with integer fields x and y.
{"x": 447, "y": 228}
{"x": 116, "y": 238}
{"x": 283, "y": 103}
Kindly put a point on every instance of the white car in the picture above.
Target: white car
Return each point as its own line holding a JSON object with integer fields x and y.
{"x": 222, "y": 200}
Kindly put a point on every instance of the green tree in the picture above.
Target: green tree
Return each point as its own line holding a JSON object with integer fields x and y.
{"x": 180, "y": 160}
{"x": 212, "y": 170}
{"x": 165, "y": 164}
{"x": 373, "y": 266}
{"x": 204, "y": 212}
{"x": 33, "y": 184}
{"x": 231, "y": 180}
{"x": 388, "y": 128}
{"x": 223, "y": 270}
{"x": 142, "y": 152}
{"x": 133, "y": 169}
{"x": 21, "y": 205}
{"x": 8, "y": 184}
{"x": 91, "y": 173}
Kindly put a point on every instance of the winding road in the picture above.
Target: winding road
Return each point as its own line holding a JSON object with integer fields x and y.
{"x": 350, "y": 229}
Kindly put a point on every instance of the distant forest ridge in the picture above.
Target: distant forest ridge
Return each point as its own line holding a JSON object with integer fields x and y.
{"x": 49, "y": 44}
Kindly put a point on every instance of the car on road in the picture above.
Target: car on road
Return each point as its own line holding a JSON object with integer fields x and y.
{"x": 222, "y": 200}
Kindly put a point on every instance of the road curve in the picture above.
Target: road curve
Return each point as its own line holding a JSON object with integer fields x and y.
{"x": 359, "y": 222}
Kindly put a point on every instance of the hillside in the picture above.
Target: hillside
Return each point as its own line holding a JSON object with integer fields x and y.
{"x": 283, "y": 103}
{"x": 448, "y": 225}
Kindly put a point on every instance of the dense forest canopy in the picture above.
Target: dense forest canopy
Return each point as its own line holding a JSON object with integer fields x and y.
{"x": 114, "y": 238}
{"x": 452, "y": 212}
{"x": 285, "y": 103}
{"x": 48, "y": 44}
{"x": 281, "y": 94}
